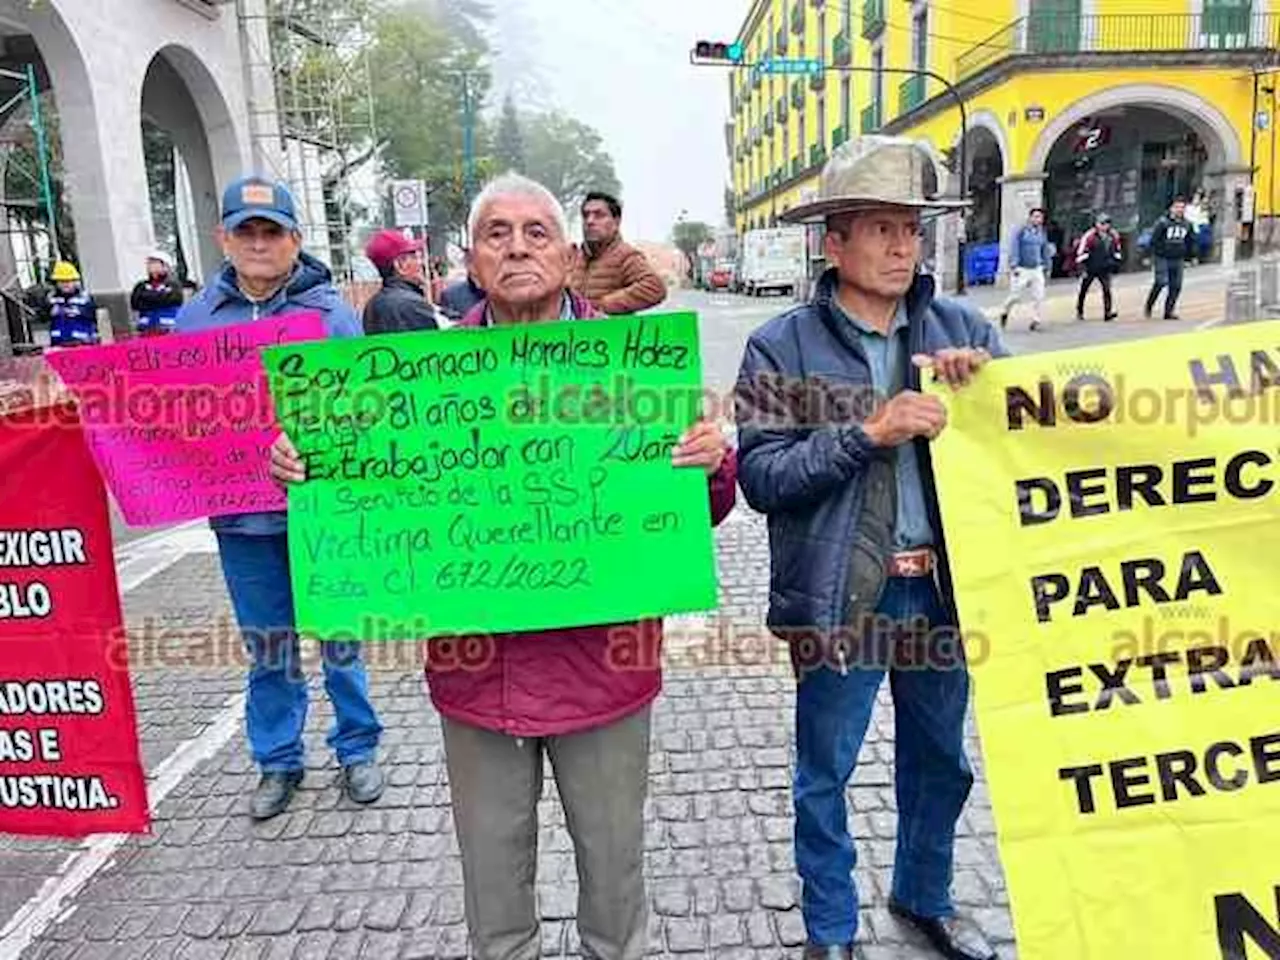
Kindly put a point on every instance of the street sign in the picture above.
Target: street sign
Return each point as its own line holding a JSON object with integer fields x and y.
{"x": 409, "y": 202}
{"x": 791, "y": 65}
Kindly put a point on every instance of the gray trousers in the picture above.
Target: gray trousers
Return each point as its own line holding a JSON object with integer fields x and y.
{"x": 495, "y": 782}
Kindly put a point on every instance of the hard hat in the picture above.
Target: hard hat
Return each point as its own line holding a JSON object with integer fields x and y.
{"x": 64, "y": 272}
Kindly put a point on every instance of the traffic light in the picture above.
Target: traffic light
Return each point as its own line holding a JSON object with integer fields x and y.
{"x": 720, "y": 52}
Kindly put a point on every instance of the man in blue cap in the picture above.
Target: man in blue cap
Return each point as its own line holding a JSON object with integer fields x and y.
{"x": 268, "y": 273}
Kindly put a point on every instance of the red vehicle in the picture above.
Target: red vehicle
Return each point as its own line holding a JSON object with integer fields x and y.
{"x": 721, "y": 277}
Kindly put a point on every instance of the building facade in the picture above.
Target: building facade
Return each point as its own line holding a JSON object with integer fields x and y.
{"x": 1077, "y": 106}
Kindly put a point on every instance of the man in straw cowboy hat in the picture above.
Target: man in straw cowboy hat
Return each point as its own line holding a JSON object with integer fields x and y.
{"x": 834, "y": 437}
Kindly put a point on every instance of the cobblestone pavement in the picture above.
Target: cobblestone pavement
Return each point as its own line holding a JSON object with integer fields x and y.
{"x": 330, "y": 880}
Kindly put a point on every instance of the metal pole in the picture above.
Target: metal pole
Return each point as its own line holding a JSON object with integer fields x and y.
{"x": 468, "y": 139}
{"x": 42, "y": 151}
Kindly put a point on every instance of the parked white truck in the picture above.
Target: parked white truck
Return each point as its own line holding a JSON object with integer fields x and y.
{"x": 772, "y": 259}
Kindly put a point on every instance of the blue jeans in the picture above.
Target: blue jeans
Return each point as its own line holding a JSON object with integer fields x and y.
{"x": 256, "y": 569}
{"x": 933, "y": 777}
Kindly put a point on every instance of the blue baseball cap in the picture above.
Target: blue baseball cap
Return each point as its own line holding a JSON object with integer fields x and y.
{"x": 256, "y": 198}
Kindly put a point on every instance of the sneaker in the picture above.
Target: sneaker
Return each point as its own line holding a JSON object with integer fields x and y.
{"x": 1110, "y": 316}
{"x": 363, "y": 782}
{"x": 1172, "y": 316}
{"x": 273, "y": 793}
{"x": 1035, "y": 325}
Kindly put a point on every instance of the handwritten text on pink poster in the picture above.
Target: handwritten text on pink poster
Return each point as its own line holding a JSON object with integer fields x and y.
{"x": 181, "y": 424}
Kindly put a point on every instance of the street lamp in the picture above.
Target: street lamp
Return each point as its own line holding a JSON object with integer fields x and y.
{"x": 711, "y": 54}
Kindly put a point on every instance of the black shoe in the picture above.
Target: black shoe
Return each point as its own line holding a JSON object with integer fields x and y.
{"x": 1004, "y": 320}
{"x": 1172, "y": 316}
{"x": 1080, "y": 317}
{"x": 1035, "y": 325}
{"x": 834, "y": 952}
{"x": 1110, "y": 316}
{"x": 363, "y": 782}
{"x": 954, "y": 937}
{"x": 273, "y": 794}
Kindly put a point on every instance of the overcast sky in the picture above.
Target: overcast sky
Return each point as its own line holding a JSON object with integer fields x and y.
{"x": 623, "y": 67}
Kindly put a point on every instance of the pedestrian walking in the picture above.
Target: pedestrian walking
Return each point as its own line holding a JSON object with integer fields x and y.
{"x": 157, "y": 299}
{"x": 1171, "y": 243}
{"x": 69, "y": 310}
{"x": 267, "y": 274}
{"x": 834, "y": 449}
{"x": 1098, "y": 255}
{"x": 557, "y": 694}
{"x": 613, "y": 275}
{"x": 1030, "y": 257}
{"x": 401, "y": 305}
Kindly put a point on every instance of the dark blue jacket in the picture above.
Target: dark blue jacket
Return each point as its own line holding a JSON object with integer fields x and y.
{"x": 457, "y": 298}
{"x": 73, "y": 319}
{"x": 803, "y": 458}
{"x": 222, "y": 304}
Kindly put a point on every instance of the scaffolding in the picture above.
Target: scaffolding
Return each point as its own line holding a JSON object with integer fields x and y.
{"x": 314, "y": 126}
{"x": 28, "y": 218}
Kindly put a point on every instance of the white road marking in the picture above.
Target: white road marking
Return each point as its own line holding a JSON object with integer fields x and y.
{"x": 47, "y": 906}
{"x": 136, "y": 563}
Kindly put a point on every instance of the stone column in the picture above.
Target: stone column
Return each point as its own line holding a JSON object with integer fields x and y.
{"x": 1224, "y": 183}
{"x": 1020, "y": 193}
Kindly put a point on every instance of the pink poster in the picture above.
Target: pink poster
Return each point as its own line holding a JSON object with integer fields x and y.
{"x": 181, "y": 425}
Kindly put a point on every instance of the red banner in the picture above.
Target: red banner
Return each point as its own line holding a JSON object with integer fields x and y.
{"x": 69, "y": 763}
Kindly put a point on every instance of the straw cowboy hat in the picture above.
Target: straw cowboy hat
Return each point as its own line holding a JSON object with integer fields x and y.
{"x": 872, "y": 171}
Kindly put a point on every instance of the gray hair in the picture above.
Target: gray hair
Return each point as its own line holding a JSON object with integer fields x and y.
{"x": 512, "y": 183}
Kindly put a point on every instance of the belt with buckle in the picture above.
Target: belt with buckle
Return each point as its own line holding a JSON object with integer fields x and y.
{"x": 913, "y": 563}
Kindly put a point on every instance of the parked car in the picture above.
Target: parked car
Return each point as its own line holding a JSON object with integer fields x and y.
{"x": 722, "y": 276}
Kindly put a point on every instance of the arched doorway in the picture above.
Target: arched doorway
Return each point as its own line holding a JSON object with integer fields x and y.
{"x": 985, "y": 150}
{"x": 1128, "y": 152}
{"x": 191, "y": 152}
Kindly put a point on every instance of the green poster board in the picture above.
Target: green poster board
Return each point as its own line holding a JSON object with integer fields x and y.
{"x": 489, "y": 480}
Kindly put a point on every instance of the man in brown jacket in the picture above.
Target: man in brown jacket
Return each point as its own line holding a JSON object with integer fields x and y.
{"x": 613, "y": 275}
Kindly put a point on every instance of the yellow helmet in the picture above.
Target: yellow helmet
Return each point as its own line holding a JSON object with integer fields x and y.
{"x": 64, "y": 272}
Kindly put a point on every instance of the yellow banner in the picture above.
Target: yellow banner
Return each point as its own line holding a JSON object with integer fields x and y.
{"x": 1113, "y": 521}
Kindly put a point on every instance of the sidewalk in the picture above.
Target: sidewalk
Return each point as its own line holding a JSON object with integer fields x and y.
{"x": 1202, "y": 299}
{"x": 331, "y": 880}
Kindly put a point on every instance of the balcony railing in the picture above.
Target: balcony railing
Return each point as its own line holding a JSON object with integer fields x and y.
{"x": 911, "y": 93}
{"x": 841, "y": 50}
{"x": 797, "y": 17}
{"x": 872, "y": 18}
{"x": 1217, "y": 29}
{"x": 871, "y": 118}
{"x": 797, "y": 94}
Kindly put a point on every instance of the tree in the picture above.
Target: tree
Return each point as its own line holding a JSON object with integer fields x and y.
{"x": 688, "y": 235}
{"x": 508, "y": 148}
{"x": 418, "y": 68}
{"x": 567, "y": 157}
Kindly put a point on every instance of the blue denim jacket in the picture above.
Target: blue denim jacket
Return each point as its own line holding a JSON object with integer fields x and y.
{"x": 1030, "y": 248}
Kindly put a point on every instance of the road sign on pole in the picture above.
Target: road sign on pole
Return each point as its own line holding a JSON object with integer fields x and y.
{"x": 409, "y": 201}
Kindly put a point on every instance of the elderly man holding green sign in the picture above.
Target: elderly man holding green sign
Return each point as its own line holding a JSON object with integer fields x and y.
{"x": 580, "y": 695}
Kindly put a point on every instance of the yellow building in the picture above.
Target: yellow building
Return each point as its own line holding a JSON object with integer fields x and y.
{"x": 1078, "y": 106}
